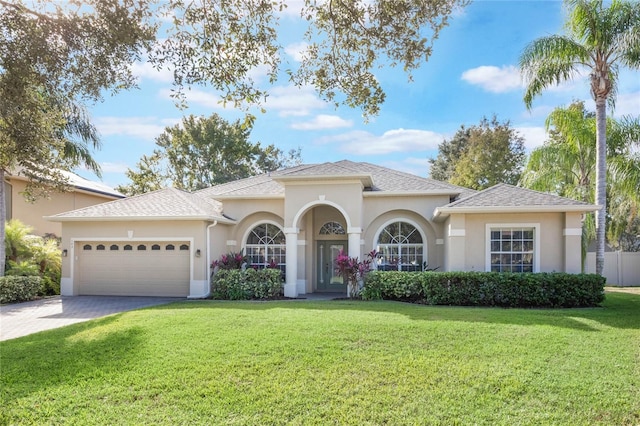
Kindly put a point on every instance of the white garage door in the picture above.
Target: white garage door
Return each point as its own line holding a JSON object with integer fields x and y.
{"x": 134, "y": 268}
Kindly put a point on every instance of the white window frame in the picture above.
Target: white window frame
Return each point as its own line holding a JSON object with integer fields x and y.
{"x": 246, "y": 246}
{"x": 410, "y": 222}
{"x": 536, "y": 241}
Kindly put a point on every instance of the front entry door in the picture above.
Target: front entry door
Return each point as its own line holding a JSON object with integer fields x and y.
{"x": 327, "y": 278}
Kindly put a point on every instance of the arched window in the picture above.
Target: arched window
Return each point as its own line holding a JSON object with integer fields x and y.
{"x": 86, "y": 247}
{"x": 100, "y": 247}
{"x": 128, "y": 247}
{"x": 401, "y": 248}
{"x": 155, "y": 247}
{"x": 170, "y": 247}
{"x": 332, "y": 228}
{"x": 114, "y": 247}
{"x": 184, "y": 247}
{"x": 266, "y": 246}
{"x": 142, "y": 247}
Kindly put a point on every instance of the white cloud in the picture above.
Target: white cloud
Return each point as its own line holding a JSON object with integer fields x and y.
{"x": 323, "y": 122}
{"x": 420, "y": 161}
{"x": 294, "y": 8}
{"x": 392, "y": 141}
{"x": 494, "y": 79}
{"x": 507, "y": 78}
{"x": 533, "y": 136}
{"x": 198, "y": 97}
{"x": 147, "y": 128}
{"x": 627, "y": 104}
{"x": 296, "y": 50}
{"x": 539, "y": 111}
{"x": 144, "y": 70}
{"x": 114, "y": 167}
{"x": 293, "y": 101}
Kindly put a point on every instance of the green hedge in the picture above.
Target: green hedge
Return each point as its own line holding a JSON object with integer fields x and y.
{"x": 15, "y": 288}
{"x": 487, "y": 288}
{"x": 234, "y": 284}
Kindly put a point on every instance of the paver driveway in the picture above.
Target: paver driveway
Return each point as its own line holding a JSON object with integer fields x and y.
{"x": 21, "y": 319}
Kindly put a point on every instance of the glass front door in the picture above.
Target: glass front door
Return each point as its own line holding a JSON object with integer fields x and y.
{"x": 327, "y": 278}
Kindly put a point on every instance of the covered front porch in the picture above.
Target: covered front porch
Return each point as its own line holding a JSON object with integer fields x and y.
{"x": 323, "y": 230}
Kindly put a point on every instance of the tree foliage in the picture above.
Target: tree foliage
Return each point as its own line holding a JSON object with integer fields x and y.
{"x": 449, "y": 151}
{"x": 54, "y": 57}
{"x": 30, "y": 255}
{"x": 201, "y": 152}
{"x": 600, "y": 39}
{"x": 223, "y": 44}
{"x": 480, "y": 156}
{"x": 566, "y": 165}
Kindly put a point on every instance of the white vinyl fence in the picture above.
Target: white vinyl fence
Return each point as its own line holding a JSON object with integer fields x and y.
{"x": 621, "y": 268}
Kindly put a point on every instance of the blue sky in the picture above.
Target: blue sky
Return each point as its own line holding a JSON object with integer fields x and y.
{"x": 471, "y": 74}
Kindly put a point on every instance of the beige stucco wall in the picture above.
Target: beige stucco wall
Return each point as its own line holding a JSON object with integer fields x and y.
{"x": 193, "y": 231}
{"x": 308, "y": 207}
{"x": 345, "y": 196}
{"x": 32, "y": 213}
{"x": 467, "y": 238}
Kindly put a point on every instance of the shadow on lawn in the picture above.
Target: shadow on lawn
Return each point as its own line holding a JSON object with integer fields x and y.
{"x": 74, "y": 353}
{"x": 618, "y": 311}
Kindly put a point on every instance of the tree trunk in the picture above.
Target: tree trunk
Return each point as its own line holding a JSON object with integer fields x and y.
{"x": 3, "y": 219}
{"x": 601, "y": 182}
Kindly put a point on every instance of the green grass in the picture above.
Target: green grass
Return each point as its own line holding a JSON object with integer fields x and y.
{"x": 339, "y": 362}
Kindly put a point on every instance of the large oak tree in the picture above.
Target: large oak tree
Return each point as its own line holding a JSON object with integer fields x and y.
{"x": 480, "y": 156}
{"x": 204, "y": 151}
{"x": 68, "y": 53}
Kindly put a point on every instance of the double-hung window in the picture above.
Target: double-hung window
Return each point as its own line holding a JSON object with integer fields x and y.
{"x": 512, "y": 248}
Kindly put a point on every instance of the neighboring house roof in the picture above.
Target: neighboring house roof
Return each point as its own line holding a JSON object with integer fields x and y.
{"x": 504, "y": 198}
{"x": 164, "y": 204}
{"x": 376, "y": 180}
{"x": 91, "y": 186}
{"x": 80, "y": 183}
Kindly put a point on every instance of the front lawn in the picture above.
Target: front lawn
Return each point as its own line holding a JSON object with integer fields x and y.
{"x": 338, "y": 362}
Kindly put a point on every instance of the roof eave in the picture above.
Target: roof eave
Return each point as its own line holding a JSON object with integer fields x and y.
{"x": 383, "y": 193}
{"x": 365, "y": 178}
{"x": 221, "y": 220}
{"x": 97, "y": 192}
{"x": 219, "y": 197}
{"x": 440, "y": 213}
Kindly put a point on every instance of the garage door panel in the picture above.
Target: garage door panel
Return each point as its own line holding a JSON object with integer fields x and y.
{"x": 134, "y": 272}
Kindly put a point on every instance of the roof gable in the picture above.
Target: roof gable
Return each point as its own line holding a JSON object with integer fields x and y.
{"x": 377, "y": 180}
{"x": 508, "y": 198}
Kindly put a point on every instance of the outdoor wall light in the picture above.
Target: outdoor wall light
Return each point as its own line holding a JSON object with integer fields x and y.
{"x": 198, "y": 253}
{"x": 64, "y": 253}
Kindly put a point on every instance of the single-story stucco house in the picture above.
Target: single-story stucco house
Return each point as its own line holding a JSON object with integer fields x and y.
{"x": 162, "y": 243}
{"x": 82, "y": 193}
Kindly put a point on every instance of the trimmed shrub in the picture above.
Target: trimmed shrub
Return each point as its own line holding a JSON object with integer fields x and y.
{"x": 14, "y": 288}
{"x": 235, "y": 284}
{"x": 487, "y": 288}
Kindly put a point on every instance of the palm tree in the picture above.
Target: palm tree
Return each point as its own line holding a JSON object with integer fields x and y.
{"x": 71, "y": 138}
{"x": 601, "y": 40}
{"x": 566, "y": 164}
{"x": 16, "y": 240}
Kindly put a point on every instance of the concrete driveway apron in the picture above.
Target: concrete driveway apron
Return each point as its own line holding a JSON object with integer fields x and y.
{"x": 21, "y": 319}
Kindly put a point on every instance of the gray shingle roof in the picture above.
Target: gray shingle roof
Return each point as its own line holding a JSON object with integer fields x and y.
{"x": 168, "y": 203}
{"x": 504, "y": 197}
{"x": 385, "y": 180}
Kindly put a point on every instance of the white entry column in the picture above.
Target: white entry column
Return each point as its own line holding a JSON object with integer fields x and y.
{"x": 355, "y": 235}
{"x": 291, "y": 277}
